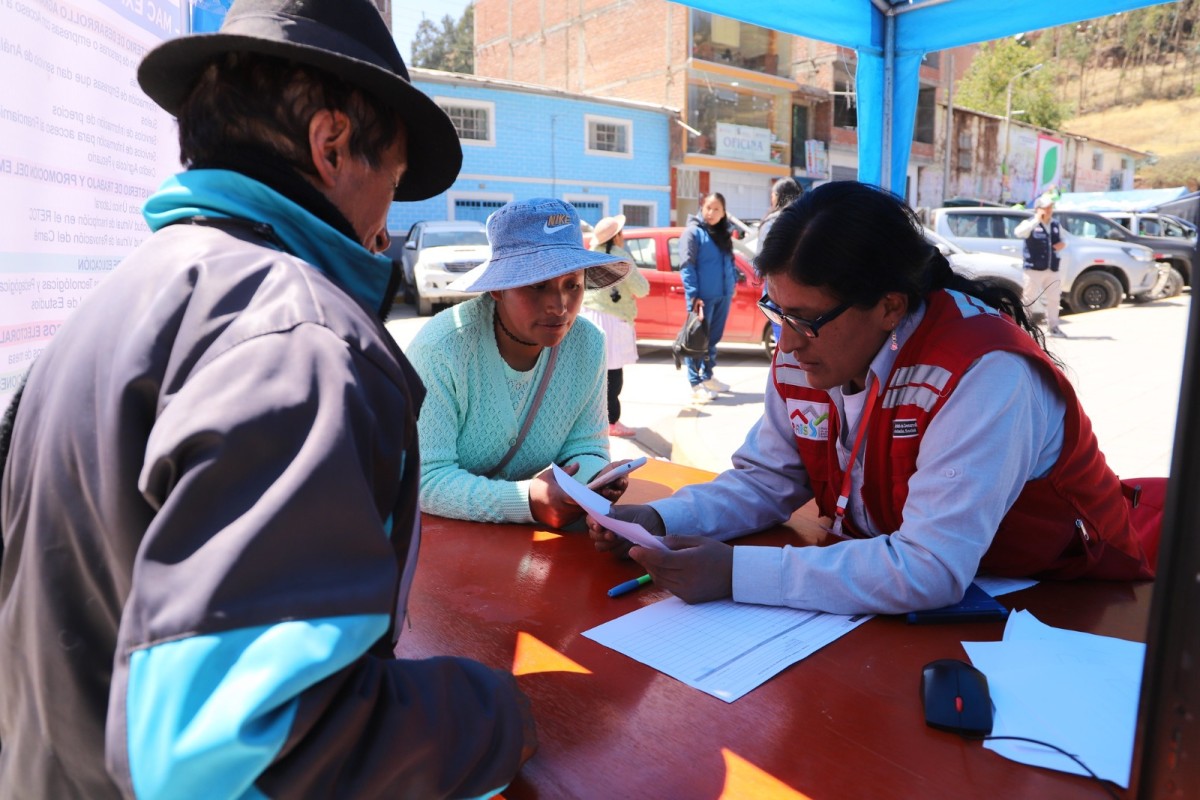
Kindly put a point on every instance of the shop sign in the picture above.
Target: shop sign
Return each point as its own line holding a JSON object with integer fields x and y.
{"x": 743, "y": 143}
{"x": 816, "y": 159}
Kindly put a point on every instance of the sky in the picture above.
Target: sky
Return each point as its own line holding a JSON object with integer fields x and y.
{"x": 407, "y": 15}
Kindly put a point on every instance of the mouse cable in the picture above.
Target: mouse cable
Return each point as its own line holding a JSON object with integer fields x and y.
{"x": 1102, "y": 781}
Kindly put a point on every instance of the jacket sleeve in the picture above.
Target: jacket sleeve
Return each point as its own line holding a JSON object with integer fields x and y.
{"x": 767, "y": 483}
{"x": 1025, "y": 227}
{"x": 254, "y": 657}
{"x": 689, "y": 250}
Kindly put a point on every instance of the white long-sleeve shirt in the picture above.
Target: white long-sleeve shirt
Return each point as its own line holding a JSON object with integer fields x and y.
{"x": 1002, "y": 427}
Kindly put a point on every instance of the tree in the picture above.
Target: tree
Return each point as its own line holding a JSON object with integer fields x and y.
{"x": 451, "y": 49}
{"x": 984, "y": 86}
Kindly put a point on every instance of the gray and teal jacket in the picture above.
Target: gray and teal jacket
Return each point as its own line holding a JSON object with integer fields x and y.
{"x": 209, "y": 511}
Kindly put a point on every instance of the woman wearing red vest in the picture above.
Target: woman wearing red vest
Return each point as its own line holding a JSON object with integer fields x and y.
{"x": 932, "y": 429}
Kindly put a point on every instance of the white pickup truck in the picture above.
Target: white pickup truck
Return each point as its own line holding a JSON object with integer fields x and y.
{"x": 1095, "y": 273}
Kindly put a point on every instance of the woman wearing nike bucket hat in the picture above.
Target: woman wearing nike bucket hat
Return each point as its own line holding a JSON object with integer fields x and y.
{"x": 514, "y": 382}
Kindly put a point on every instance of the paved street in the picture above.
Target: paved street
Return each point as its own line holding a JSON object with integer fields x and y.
{"x": 1125, "y": 362}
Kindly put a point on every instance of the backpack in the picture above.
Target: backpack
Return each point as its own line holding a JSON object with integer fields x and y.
{"x": 692, "y": 339}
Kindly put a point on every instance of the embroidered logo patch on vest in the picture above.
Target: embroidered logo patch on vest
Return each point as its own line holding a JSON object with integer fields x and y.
{"x": 904, "y": 428}
{"x": 809, "y": 420}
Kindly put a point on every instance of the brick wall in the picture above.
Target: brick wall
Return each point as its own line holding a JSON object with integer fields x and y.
{"x": 628, "y": 49}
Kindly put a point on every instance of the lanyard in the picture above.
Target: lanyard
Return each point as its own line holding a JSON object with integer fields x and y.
{"x": 844, "y": 498}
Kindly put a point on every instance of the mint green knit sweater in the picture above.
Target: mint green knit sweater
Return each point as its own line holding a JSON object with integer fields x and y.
{"x": 467, "y": 421}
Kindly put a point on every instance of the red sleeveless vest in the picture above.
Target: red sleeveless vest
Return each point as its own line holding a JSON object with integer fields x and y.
{"x": 1039, "y": 536}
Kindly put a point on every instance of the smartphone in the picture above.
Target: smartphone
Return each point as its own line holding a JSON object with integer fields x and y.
{"x": 616, "y": 472}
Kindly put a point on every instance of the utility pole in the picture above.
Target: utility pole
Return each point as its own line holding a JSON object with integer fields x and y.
{"x": 949, "y": 143}
{"x": 1004, "y": 176}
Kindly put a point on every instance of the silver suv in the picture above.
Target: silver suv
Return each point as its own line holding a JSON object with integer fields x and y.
{"x": 1150, "y": 223}
{"x": 1095, "y": 273}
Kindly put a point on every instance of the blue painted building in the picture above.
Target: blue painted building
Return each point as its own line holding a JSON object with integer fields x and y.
{"x": 605, "y": 156}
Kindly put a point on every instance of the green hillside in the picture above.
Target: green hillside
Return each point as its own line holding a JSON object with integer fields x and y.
{"x": 1130, "y": 78}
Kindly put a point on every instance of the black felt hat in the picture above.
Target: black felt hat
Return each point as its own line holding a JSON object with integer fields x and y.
{"x": 346, "y": 38}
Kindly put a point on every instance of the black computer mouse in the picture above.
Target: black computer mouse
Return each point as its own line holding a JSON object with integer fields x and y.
{"x": 956, "y": 697}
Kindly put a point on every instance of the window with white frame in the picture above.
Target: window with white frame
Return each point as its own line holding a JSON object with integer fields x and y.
{"x": 591, "y": 209}
{"x": 638, "y": 215}
{"x": 609, "y": 136}
{"x": 474, "y": 205}
{"x": 474, "y": 120}
{"x": 1097, "y": 159}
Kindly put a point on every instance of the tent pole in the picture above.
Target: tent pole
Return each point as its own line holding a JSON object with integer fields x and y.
{"x": 889, "y": 91}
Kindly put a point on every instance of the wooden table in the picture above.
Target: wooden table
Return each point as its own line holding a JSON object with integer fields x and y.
{"x": 845, "y": 722}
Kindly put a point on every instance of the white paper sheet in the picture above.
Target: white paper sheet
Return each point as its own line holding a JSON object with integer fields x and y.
{"x": 1075, "y": 690}
{"x": 598, "y": 507}
{"x": 997, "y": 586}
{"x": 722, "y": 648}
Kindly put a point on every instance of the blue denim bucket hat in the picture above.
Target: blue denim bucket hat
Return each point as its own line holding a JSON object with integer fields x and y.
{"x": 536, "y": 240}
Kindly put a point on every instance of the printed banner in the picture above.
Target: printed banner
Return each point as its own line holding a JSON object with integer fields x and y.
{"x": 1049, "y": 164}
{"x": 80, "y": 149}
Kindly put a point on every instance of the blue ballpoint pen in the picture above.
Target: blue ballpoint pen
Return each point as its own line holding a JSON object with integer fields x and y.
{"x": 628, "y": 586}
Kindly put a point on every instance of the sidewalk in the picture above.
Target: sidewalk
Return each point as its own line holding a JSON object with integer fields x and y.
{"x": 1125, "y": 362}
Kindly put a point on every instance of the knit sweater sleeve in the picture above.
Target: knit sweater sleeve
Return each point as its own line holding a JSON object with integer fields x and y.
{"x": 635, "y": 282}
{"x": 453, "y": 451}
{"x": 580, "y": 375}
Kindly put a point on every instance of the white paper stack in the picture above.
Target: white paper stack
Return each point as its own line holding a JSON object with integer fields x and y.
{"x": 1076, "y": 690}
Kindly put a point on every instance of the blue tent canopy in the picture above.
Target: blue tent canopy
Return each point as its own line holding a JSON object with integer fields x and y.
{"x": 891, "y": 37}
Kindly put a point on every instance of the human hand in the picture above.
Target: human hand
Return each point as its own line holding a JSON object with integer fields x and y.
{"x": 529, "y": 738}
{"x": 548, "y": 503}
{"x": 606, "y": 541}
{"x": 696, "y": 569}
{"x": 613, "y": 489}
{"x": 697, "y": 305}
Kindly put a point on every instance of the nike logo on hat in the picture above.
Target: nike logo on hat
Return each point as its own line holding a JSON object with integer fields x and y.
{"x": 557, "y": 222}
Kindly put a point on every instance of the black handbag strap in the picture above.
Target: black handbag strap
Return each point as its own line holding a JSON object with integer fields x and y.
{"x": 529, "y": 415}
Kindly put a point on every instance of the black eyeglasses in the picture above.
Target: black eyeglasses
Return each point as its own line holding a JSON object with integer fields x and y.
{"x": 802, "y": 326}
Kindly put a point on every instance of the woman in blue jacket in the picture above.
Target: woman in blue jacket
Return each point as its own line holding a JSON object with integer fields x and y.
{"x": 707, "y": 269}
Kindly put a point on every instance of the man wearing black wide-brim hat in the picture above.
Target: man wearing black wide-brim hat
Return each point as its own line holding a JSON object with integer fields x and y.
{"x": 209, "y": 480}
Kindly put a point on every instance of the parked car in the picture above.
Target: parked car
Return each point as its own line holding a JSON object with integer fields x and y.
{"x": 1152, "y": 223}
{"x": 1095, "y": 273}
{"x": 1005, "y": 270}
{"x": 1180, "y": 254}
{"x": 959, "y": 202}
{"x": 662, "y": 312}
{"x": 437, "y": 253}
